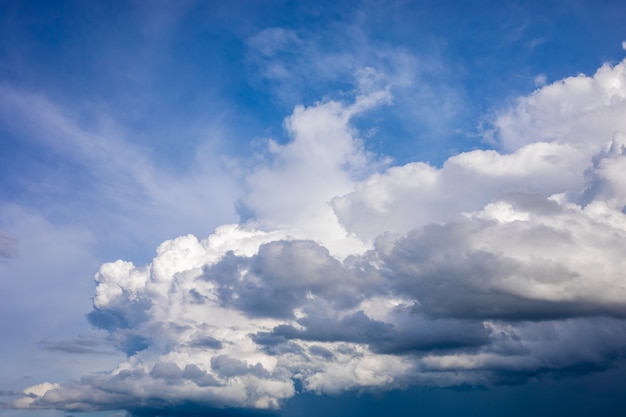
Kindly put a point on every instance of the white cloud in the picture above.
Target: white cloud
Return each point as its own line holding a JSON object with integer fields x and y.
{"x": 34, "y": 392}
{"x": 494, "y": 267}
{"x": 321, "y": 161}
{"x": 584, "y": 112}
{"x": 549, "y": 138}
{"x": 525, "y": 258}
{"x": 540, "y": 80}
{"x": 418, "y": 194}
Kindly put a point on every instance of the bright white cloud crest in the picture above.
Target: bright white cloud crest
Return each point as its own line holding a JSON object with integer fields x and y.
{"x": 486, "y": 270}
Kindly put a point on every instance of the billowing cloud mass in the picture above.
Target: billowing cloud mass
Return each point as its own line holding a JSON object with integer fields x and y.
{"x": 496, "y": 267}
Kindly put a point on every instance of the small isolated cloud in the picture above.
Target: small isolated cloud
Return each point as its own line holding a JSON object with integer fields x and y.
{"x": 499, "y": 266}
{"x": 540, "y": 80}
{"x": 76, "y": 346}
{"x": 4, "y": 393}
{"x": 33, "y": 393}
{"x": 273, "y": 41}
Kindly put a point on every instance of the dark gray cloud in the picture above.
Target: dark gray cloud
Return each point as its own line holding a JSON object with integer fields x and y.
{"x": 123, "y": 316}
{"x": 166, "y": 370}
{"x": 9, "y": 393}
{"x": 273, "y": 344}
{"x": 196, "y": 297}
{"x": 129, "y": 342}
{"x": 198, "y": 376}
{"x": 321, "y": 351}
{"x": 227, "y": 366}
{"x": 417, "y": 334}
{"x": 207, "y": 342}
{"x": 280, "y": 277}
{"x": 171, "y": 374}
{"x": 476, "y": 268}
{"x": 77, "y": 346}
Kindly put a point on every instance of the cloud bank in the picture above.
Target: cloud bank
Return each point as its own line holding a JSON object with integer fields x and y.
{"x": 499, "y": 266}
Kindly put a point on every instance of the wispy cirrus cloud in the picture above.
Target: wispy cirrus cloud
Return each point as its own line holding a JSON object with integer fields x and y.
{"x": 120, "y": 180}
{"x": 8, "y": 245}
{"x": 301, "y": 65}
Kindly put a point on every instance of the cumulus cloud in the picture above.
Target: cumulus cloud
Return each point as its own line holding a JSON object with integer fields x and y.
{"x": 417, "y": 194}
{"x": 580, "y": 111}
{"x": 322, "y": 160}
{"x": 560, "y": 128}
{"x": 528, "y": 260}
{"x": 496, "y": 267}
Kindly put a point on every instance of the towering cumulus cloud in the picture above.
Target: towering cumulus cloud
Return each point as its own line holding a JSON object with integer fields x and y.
{"x": 499, "y": 265}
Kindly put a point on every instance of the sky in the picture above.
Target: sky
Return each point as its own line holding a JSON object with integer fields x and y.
{"x": 298, "y": 208}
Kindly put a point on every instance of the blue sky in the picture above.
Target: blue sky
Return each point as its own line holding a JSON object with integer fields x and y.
{"x": 300, "y": 206}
